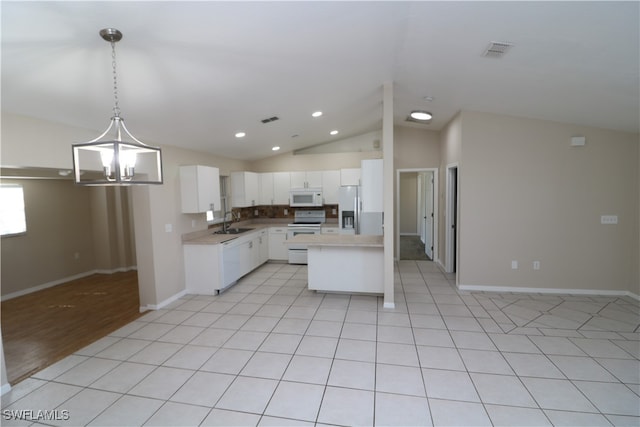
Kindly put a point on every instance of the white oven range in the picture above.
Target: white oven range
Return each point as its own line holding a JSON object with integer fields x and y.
{"x": 305, "y": 222}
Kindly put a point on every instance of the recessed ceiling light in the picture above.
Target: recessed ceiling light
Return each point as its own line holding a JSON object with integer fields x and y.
{"x": 421, "y": 115}
{"x": 317, "y": 114}
{"x": 429, "y": 98}
{"x": 333, "y": 132}
{"x": 276, "y": 148}
{"x": 240, "y": 135}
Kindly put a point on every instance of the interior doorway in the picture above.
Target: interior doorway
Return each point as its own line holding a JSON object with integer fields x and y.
{"x": 451, "y": 264}
{"x": 416, "y": 219}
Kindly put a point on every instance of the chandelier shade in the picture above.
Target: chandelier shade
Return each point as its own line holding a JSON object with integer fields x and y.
{"x": 116, "y": 157}
{"x": 106, "y": 161}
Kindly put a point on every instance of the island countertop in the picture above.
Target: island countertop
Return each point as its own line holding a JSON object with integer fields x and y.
{"x": 337, "y": 240}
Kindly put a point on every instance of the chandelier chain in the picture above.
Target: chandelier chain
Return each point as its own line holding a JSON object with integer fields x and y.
{"x": 116, "y": 106}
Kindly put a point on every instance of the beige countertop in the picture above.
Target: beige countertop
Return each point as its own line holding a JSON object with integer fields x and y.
{"x": 207, "y": 237}
{"x": 337, "y": 240}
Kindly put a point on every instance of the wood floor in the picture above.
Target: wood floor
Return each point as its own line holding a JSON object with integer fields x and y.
{"x": 43, "y": 327}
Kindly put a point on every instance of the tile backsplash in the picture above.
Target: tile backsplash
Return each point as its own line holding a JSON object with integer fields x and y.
{"x": 278, "y": 212}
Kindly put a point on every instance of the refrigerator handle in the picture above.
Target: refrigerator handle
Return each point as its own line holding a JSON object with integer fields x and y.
{"x": 356, "y": 213}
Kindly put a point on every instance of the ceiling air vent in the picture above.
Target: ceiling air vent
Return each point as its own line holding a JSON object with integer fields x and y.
{"x": 497, "y": 49}
{"x": 270, "y": 119}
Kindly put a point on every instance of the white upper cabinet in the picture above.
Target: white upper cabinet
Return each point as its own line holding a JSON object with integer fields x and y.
{"x": 274, "y": 188}
{"x": 281, "y": 188}
{"x": 307, "y": 179}
{"x": 266, "y": 188}
{"x": 330, "y": 186}
{"x": 199, "y": 188}
{"x": 350, "y": 176}
{"x": 245, "y": 189}
{"x": 372, "y": 184}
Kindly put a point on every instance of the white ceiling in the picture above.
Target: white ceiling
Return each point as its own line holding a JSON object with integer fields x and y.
{"x": 192, "y": 74}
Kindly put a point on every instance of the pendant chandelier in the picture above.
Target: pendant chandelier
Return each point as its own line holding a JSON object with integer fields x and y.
{"x": 116, "y": 157}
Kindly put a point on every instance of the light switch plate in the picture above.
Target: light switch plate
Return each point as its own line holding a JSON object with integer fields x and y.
{"x": 609, "y": 219}
{"x": 168, "y": 228}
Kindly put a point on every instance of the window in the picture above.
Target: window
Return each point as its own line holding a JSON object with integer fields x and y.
{"x": 12, "y": 217}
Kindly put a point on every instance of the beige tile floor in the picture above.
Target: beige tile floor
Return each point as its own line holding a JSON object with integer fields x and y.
{"x": 269, "y": 352}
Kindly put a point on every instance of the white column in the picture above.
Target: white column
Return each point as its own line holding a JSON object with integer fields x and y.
{"x": 4, "y": 387}
{"x": 387, "y": 155}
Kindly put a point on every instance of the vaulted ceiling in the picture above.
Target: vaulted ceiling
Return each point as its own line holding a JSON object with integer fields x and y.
{"x": 193, "y": 74}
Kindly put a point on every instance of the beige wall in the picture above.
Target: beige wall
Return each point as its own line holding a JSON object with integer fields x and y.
{"x": 416, "y": 148}
{"x": 59, "y": 225}
{"x": 528, "y": 195}
{"x": 114, "y": 241}
{"x": 64, "y": 220}
{"x": 408, "y": 203}
{"x": 304, "y": 162}
{"x": 38, "y": 143}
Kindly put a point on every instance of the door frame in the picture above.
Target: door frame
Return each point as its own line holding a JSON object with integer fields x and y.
{"x": 452, "y": 208}
{"x": 435, "y": 209}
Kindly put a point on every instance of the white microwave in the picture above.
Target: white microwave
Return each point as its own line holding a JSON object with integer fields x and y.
{"x": 305, "y": 197}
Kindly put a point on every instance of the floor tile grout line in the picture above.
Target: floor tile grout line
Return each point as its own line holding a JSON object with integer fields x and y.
{"x": 623, "y": 338}
{"x": 424, "y": 384}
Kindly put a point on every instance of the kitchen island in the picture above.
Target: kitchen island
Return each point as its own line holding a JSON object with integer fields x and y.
{"x": 344, "y": 263}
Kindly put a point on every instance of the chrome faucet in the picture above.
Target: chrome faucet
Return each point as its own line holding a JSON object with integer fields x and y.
{"x": 234, "y": 216}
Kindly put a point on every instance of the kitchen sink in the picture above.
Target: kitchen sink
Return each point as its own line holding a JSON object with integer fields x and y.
{"x": 233, "y": 231}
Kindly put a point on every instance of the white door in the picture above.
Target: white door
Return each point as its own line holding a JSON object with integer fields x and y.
{"x": 427, "y": 179}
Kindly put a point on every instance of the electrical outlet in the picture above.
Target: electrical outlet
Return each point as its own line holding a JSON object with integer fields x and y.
{"x": 76, "y": 255}
{"x": 286, "y": 211}
{"x": 536, "y": 265}
{"x": 168, "y": 228}
{"x": 514, "y": 265}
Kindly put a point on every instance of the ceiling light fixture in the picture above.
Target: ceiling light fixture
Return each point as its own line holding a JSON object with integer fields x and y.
{"x": 421, "y": 115}
{"x": 122, "y": 162}
{"x": 317, "y": 114}
{"x": 240, "y": 135}
{"x": 276, "y": 148}
{"x": 333, "y": 132}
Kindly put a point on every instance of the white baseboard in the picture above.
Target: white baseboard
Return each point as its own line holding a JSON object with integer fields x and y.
{"x": 61, "y": 281}
{"x": 566, "y": 291}
{"x": 440, "y": 266}
{"x": 409, "y": 234}
{"x": 164, "y": 303}
{"x": 6, "y": 388}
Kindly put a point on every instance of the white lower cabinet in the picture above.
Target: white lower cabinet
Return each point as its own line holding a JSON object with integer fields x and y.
{"x": 277, "y": 249}
{"x": 329, "y": 230}
{"x": 211, "y": 268}
{"x": 263, "y": 247}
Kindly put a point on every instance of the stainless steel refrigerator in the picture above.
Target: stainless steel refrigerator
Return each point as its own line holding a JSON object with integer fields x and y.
{"x": 350, "y": 216}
